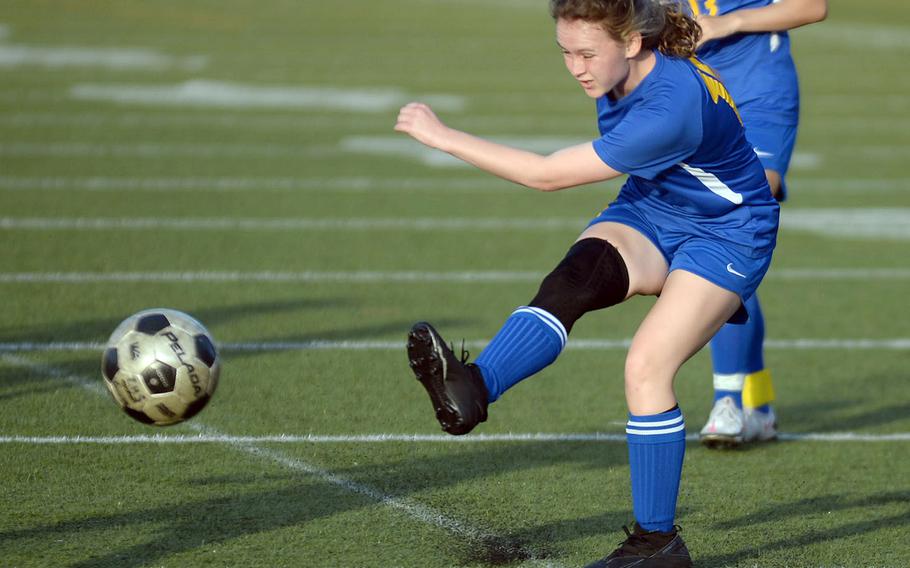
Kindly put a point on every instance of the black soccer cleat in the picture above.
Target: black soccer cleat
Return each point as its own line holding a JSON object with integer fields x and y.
{"x": 643, "y": 549}
{"x": 456, "y": 388}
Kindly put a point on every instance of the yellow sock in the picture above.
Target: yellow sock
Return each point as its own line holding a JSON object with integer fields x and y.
{"x": 758, "y": 389}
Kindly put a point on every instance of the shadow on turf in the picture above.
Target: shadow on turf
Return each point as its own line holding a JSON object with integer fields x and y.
{"x": 836, "y": 416}
{"x": 806, "y": 508}
{"x": 201, "y": 526}
{"x": 98, "y": 329}
{"x": 18, "y": 381}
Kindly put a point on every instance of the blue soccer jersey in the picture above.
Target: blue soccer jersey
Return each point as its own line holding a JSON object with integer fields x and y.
{"x": 757, "y": 68}
{"x": 680, "y": 138}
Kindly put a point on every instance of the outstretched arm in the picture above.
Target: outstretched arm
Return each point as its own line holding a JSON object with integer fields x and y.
{"x": 576, "y": 165}
{"x": 779, "y": 16}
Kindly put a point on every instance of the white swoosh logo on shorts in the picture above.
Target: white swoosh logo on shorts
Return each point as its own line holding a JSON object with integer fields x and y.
{"x": 762, "y": 153}
{"x": 732, "y": 271}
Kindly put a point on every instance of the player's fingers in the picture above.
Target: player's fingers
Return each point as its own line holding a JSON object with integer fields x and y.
{"x": 404, "y": 126}
{"x": 406, "y": 121}
{"x": 407, "y": 112}
{"x": 413, "y": 106}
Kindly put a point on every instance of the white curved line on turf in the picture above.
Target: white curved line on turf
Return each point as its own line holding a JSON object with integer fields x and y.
{"x": 410, "y": 507}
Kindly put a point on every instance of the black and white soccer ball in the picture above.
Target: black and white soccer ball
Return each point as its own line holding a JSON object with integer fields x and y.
{"x": 161, "y": 366}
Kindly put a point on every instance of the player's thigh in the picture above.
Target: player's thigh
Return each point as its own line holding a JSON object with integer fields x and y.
{"x": 645, "y": 264}
{"x": 687, "y": 314}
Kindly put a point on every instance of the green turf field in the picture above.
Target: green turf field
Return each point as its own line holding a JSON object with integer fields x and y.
{"x": 236, "y": 160}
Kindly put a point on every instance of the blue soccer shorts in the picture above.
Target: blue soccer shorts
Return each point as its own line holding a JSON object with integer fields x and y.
{"x": 714, "y": 255}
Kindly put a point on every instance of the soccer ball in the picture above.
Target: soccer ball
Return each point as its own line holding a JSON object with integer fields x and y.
{"x": 161, "y": 366}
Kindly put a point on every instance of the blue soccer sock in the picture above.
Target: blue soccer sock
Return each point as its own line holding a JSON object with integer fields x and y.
{"x": 657, "y": 444}
{"x": 736, "y": 351}
{"x": 529, "y": 340}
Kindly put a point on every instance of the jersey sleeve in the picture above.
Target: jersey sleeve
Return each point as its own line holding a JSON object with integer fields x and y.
{"x": 657, "y": 134}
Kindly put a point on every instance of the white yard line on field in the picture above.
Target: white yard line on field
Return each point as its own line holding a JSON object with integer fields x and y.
{"x": 115, "y": 58}
{"x": 249, "y": 445}
{"x": 240, "y": 184}
{"x": 397, "y": 147}
{"x": 857, "y": 35}
{"x": 289, "y": 224}
{"x": 155, "y": 150}
{"x": 365, "y": 184}
{"x": 206, "y": 436}
{"x": 854, "y": 223}
{"x": 184, "y": 119}
{"x": 800, "y": 344}
{"x": 832, "y": 106}
{"x": 360, "y": 276}
{"x": 393, "y": 276}
{"x": 221, "y": 94}
{"x": 191, "y": 119}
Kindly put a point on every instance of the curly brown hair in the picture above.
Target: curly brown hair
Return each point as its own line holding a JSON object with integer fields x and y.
{"x": 662, "y": 23}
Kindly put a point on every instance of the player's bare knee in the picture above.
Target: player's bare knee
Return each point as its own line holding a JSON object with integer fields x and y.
{"x": 592, "y": 276}
{"x": 638, "y": 370}
{"x": 645, "y": 368}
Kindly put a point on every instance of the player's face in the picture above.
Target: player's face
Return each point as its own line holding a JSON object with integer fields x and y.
{"x": 597, "y": 61}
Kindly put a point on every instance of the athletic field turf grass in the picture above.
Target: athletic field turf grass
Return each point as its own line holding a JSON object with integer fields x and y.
{"x": 236, "y": 160}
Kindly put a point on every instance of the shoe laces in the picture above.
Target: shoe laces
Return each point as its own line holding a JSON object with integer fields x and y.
{"x": 642, "y": 543}
{"x": 465, "y": 354}
{"x": 634, "y": 542}
{"x": 728, "y": 411}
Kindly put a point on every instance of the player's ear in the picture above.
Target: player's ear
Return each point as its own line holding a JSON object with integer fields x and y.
{"x": 633, "y": 45}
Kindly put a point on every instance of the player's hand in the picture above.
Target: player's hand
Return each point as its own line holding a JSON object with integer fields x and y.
{"x": 716, "y": 27}
{"x": 420, "y": 122}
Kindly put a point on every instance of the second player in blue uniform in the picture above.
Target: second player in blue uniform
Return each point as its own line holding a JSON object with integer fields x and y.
{"x": 746, "y": 43}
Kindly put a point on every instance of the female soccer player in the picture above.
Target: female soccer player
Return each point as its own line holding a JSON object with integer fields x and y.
{"x": 695, "y": 223}
{"x": 746, "y": 42}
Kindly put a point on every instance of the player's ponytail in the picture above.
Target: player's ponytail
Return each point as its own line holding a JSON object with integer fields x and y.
{"x": 680, "y": 33}
{"x": 663, "y": 24}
